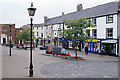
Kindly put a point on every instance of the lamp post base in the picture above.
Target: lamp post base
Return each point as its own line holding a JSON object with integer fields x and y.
{"x": 30, "y": 73}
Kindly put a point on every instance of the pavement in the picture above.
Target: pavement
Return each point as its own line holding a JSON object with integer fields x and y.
{"x": 48, "y": 66}
{"x": 17, "y": 65}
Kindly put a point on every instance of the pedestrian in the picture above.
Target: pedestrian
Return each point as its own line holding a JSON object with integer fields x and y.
{"x": 86, "y": 50}
{"x": 63, "y": 52}
{"x": 33, "y": 45}
{"x": 102, "y": 51}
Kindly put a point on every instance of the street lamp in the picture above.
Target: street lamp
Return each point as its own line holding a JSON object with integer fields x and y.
{"x": 31, "y": 12}
{"x": 10, "y": 25}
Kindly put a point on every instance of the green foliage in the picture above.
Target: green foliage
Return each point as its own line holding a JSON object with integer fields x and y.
{"x": 24, "y": 35}
{"x": 19, "y": 36}
{"x": 76, "y": 29}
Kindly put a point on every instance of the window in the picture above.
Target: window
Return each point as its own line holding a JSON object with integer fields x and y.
{"x": 41, "y": 34}
{"x": 109, "y": 19}
{"x": 88, "y": 33}
{"x": 37, "y": 33}
{"x": 70, "y": 44}
{"x": 94, "y": 33}
{"x": 94, "y": 21}
{"x": 109, "y": 33}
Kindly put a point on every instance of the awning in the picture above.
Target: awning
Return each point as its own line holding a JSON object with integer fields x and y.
{"x": 68, "y": 39}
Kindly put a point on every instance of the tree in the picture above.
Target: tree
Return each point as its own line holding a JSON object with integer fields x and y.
{"x": 77, "y": 30}
{"x": 24, "y": 35}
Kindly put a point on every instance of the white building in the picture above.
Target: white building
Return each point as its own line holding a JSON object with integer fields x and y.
{"x": 38, "y": 32}
{"x": 106, "y": 18}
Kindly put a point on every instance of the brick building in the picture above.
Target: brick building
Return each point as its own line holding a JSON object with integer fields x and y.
{"x": 5, "y": 33}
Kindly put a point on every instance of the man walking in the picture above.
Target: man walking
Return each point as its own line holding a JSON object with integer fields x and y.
{"x": 63, "y": 52}
{"x": 86, "y": 50}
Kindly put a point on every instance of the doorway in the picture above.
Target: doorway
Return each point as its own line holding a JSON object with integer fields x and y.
{"x": 4, "y": 40}
{"x": 110, "y": 48}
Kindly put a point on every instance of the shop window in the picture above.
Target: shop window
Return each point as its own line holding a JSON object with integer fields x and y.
{"x": 109, "y": 33}
{"x": 109, "y": 19}
{"x": 70, "y": 44}
{"x": 94, "y": 33}
{"x": 94, "y": 21}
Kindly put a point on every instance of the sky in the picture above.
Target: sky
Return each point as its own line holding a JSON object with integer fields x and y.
{"x": 15, "y": 11}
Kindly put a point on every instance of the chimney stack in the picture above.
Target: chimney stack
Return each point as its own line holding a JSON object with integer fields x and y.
{"x": 45, "y": 19}
{"x": 62, "y": 13}
{"x": 79, "y": 7}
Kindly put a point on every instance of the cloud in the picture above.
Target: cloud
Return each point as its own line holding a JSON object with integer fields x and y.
{"x": 16, "y": 10}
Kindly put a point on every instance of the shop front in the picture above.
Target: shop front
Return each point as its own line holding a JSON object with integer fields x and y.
{"x": 45, "y": 42}
{"x": 69, "y": 45}
{"x": 93, "y": 45}
{"x": 110, "y": 47}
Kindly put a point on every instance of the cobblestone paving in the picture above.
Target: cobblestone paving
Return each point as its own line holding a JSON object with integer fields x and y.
{"x": 81, "y": 69}
{"x": 49, "y": 66}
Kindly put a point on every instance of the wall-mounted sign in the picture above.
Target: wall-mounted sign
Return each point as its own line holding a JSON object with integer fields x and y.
{"x": 109, "y": 41}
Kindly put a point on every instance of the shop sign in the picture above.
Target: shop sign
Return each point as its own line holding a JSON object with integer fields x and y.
{"x": 109, "y": 41}
{"x": 91, "y": 40}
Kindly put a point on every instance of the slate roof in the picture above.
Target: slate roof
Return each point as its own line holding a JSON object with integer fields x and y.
{"x": 38, "y": 25}
{"x": 25, "y": 26}
{"x": 97, "y": 11}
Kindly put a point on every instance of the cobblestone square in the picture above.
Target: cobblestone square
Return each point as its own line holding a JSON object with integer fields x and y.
{"x": 49, "y": 66}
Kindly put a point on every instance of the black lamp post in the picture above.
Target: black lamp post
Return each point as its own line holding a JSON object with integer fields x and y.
{"x": 63, "y": 43}
{"x": 31, "y": 12}
{"x": 10, "y": 25}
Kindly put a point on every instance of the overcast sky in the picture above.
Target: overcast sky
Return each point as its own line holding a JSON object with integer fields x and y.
{"x": 15, "y": 11}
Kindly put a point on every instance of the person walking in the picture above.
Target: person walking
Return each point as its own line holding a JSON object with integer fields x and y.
{"x": 63, "y": 52}
{"x": 102, "y": 51}
{"x": 86, "y": 50}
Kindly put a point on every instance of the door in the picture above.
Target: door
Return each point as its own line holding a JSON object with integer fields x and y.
{"x": 4, "y": 40}
{"x": 109, "y": 48}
